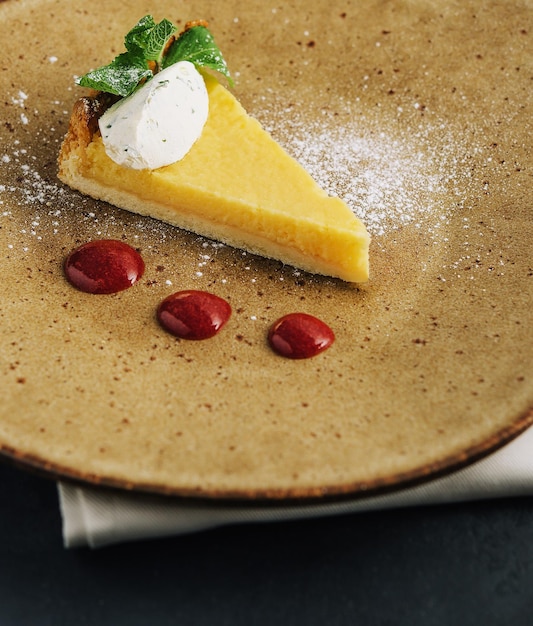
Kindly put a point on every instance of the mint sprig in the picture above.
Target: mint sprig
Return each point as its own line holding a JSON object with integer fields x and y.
{"x": 152, "y": 46}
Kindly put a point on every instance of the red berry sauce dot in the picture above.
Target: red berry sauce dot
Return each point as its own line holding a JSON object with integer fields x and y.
{"x": 105, "y": 266}
{"x": 193, "y": 314}
{"x": 300, "y": 336}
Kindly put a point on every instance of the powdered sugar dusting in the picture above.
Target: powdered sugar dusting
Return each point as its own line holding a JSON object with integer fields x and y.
{"x": 389, "y": 180}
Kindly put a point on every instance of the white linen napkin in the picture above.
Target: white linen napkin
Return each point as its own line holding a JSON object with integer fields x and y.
{"x": 97, "y": 517}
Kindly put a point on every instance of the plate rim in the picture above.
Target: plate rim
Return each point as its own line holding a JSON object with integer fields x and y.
{"x": 342, "y": 491}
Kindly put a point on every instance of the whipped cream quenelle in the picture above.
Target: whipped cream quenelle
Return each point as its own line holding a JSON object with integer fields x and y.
{"x": 159, "y": 123}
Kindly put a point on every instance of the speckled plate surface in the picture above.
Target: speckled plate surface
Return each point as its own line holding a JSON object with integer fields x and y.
{"x": 419, "y": 115}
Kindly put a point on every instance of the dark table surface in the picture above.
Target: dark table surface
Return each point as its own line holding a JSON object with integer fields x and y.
{"x": 452, "y": 565}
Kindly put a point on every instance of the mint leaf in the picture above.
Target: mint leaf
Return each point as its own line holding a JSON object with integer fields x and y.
{"x": 198, "y": 46}
{"x": 150, "y": 39}
{"x": 137, "y": 38}
{"x": 158, "y": 39}
{"x": 120, "y": 77}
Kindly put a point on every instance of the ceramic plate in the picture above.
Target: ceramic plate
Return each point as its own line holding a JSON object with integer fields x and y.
{"x": 418, "y": 115}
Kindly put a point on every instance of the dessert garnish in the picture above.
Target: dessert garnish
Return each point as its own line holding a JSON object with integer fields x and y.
{"x": 108, "y": 266}
{"x": 152, "y": 47}
{"x": 164, "y": 104}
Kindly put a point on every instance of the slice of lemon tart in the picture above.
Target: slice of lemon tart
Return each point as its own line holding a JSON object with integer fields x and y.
{"x": 235, "y": 184}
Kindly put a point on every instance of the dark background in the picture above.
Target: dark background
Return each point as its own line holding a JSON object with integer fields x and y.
{"x": 453, "y": 565}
